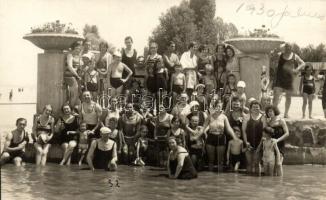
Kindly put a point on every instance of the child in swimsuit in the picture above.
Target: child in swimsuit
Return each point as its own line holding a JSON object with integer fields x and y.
{"x": 230, "y": 88}
{"x": 177, "y": 132}
{"x": 91, "y": 79}
{"x": 141, "y": 146}
{"x": 307, "y": 88}
{"x": 264, "y": 82}
{"x": 178, "y": 82}
{"x": 235, "y": 148}
{"x": 83, "y": 141}
{"x": 271, "y": 152}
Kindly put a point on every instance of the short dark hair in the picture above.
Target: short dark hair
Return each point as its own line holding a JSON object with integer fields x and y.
{"x": 105, "y": 43}
{"x": 254, "y": 102}
{"x": 229, "y": 47}
{"x": 192, "y": 44}
{"x": 75, "y": 44}
{"x": 218, "y": 45}
{"x": 274, "y": 108}
{"x": 64, "y": 105}
{"x": 235, "y": 98}
{"x": 171, "y": 43}
{"x": 202, "y": 47}
{"x": 129, "y": 38}
{"x": 20, "y": 119}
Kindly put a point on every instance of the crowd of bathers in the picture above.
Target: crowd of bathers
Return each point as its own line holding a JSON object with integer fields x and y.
{"x": 188, "y": 114}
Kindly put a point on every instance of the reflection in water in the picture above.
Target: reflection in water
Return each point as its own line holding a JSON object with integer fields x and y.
{"x": 54, "y": 182}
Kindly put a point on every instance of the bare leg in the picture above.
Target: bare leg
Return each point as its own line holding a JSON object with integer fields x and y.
{"x": 4, "y": 158}
{"x": 287, "y": 104}
{"x": 65, "y": 149}
{"x": 83, "y": 152}
{"x": 211, "y": 156}
{"x": 278, "y": 168}
{"x": 72, "y": 144}
{"x": 249, "y": 158}
{"x": 45, "y": 154}
{"x": 18, "y": 161}
{"x": 236, "y": 167}
{"x": 220, "y": 150}
{"x": 277, "y": 94}
{"x": 39, "y": 152}
{"x": 310, "y": 98}
{"x": 304, "y": 104}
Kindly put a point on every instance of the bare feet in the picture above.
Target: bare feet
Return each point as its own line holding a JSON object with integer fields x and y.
{"x": 79, "y": 163}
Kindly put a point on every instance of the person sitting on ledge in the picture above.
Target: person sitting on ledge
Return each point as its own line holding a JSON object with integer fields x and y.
{"x": 102, "y": 153}
{"x": 14, "y": 146}
{"x": 42, "y": 133}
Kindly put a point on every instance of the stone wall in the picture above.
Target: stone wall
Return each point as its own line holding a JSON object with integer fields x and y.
{"x": 306, "y": 143}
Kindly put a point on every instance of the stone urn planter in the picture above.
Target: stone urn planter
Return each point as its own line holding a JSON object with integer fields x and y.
{"x": 53, "y": 42}
{"x": 250, "y": 69}
{"x": 51, "y": 67}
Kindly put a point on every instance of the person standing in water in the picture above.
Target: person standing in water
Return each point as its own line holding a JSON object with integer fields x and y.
{"x": 14, "y": 145}
{"x": 117, "y": 69}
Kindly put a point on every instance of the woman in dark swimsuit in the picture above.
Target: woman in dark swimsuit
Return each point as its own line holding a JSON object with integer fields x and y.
{"x": 14, "y": 146}
{"x": 281, "y": 132}
{"x": 68, "y": 125}
{"x": 102, "y": 153}
{"x": 219, "y": 63}
{"x": 179, "y": 163}
{"x": 252, "y": 130}
{"x": 42, "y": 133}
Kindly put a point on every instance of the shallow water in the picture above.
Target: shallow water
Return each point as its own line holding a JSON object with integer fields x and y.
{"x": 59, "y": 182}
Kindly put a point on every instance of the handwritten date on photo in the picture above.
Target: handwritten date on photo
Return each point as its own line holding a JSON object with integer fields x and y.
{"x": 113, "y": 182}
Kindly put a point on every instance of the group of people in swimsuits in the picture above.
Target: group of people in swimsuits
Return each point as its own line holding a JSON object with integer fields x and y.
{"x": 207, "y": 127}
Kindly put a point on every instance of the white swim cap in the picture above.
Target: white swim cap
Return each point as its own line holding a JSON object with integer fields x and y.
{"x": 105, "y": 130}
{"x": 241, "y": 84}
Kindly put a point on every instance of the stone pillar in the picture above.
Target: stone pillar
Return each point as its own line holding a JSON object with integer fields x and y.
{"x": 50, "y": 87}
{"x": 250, "y": 72}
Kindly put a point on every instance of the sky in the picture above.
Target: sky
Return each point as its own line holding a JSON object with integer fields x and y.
{"x": 300, "y": 21}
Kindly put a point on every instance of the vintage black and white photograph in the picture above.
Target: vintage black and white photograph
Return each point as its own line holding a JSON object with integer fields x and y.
{"x": 163, "y": 99}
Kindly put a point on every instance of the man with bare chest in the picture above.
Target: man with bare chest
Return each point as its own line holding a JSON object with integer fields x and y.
{"x": 117, "y": 68}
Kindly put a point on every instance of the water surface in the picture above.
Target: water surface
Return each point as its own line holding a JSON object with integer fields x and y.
{"x": 55, "y": 182}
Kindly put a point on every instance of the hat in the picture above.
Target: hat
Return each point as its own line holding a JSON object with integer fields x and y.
{"x": 251, "y": 99}
{"x": 105, "y": 130}
{"x": 241, "y": 84}
{"x": 193, "y": 103}
{"x": 117, "y": 53}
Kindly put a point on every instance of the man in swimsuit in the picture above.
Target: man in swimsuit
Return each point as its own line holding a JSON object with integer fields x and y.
{"x": 91, "y": 113}
{"x": 14, "y": 146}
{"x": 117, "y": 69}
{"x": 285, "y": 72}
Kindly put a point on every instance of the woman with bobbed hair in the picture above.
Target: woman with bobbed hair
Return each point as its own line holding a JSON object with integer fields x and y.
{"x": 280, "y": 133}
{"x": 102, "y": 65}
{"x": 42, "y": 133}
{"x": 179, "y": 163}
{"x": 67, "y": 126}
